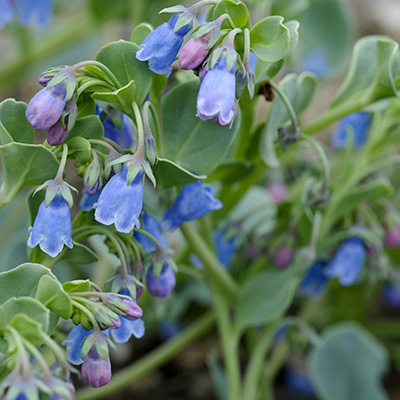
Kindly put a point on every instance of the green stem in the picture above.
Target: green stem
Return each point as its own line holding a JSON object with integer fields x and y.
{"x": 225, "y": 282}
{"x": 151, "y": 361}
{"x": 229, "y": 343}
{"x": 60, "y": 172}
{"x": 150, "y": 236}
{"x": 287, "y": 103}
{"x": 331, "y": 116}
{"x": 256, "y": 363}
{"x": 140, "y": 133}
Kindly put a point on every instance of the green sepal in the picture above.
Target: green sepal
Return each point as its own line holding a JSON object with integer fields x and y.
{"x": 149, "y": 173}
{"x": 77, "y": 286}
{"x": 133, "y": 171}
{"x": 184, "y": 19}
{"x": 174, "y": 9}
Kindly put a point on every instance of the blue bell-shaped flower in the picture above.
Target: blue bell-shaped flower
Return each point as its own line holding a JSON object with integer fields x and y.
{"x": 151, "y": 225}
{"x": 347, "y": 262}
{"x": 193, "y": 201}
{"x": 52, "y": 227}
{"x": 314, "y": 281}
{"x": 358, "y": 123}
{"x": 119, "y": 203}
{"x": 216, "y": 96}
{"x": 164, "y": 284}
{"x": 161, "y": 47}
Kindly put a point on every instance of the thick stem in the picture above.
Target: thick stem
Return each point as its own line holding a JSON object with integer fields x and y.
{"x": 151, "y": 361}
{"x": 225, "y": 282}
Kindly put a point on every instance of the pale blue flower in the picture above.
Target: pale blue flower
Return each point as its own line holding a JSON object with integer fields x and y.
{"x": 352, "y": 127}
{"x": 34, "y": 12}
{"x": 74, "y": 344}
{"x": 52, "y": 227}
{"x": 164, "y": 284}
{"x": 161, "y": 47}
{"x": 151, "y": 225}
{"x": 347, "y": 263}
{"x": 193, "y": 201}
{"x": 119, "y": 203}
{"x": 216, "y": 96}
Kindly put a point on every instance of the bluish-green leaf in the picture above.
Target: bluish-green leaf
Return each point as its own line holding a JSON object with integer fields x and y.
{"x": 270, "y": 39}
{"x": 120, "y": 58}
{"x": 141, "y": 32}
{"x": 265, "y": 297}
{"x": 348, "y": 365}
{"x": 265, "y": 71}
{"x": 51, "y": 294}
{"x": 77, "y": 286}
{"x": 236, "y": 10}
{"x": 199, "y": 146}
{"x": 326, "y": 32}
{"x": 89, "y": 127}
{"x": 232, "y": 171}
{"x": 169, "y": 174}
{"x": 25, "y": 165}
{"x": 29, "y": 307}
{"x": 255, "y": 212}
{"x": 13, "y": 119}
{"x": 289, "y": 8}
{"x": 374, "y": 66}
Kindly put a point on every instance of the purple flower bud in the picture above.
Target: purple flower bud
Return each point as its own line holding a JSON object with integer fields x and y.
{"x": 314, "y": 281}
{"x": 392, "y": 237}
{"x": 44, "y": 80}
{"x": 52, "y": 227}
{"x": 217, "y": 93}
{"x": 46, "y": 107}
{"x": 134, "y": 311}
{"x": 193, "y": 201}
{"x": 194, "y": 52}
{"x": 164, "y": 284}
{"x": 202, "y": 73}
{"x": 391, "y": 295}
{"x": 278, "y": 192}
{"x": 283, "y": 256}
{"x": 57, "y": 133}
{"x": 92, "y": 191}
{"x": 96, "y": 371}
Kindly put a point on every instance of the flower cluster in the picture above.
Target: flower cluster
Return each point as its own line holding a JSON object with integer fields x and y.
{"x": 36, "y": 13}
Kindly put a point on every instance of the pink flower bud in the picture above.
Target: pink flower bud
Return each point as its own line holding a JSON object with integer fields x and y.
{"x": 134, "y": 311}
{"x": 278, "y": 192}
{"x": 57, "y": 134}
{"x": 96, "y": 371}
{"x": 392, "y": 237}
{"x": 283, "y": 256}
{"x": 194, "y": 52}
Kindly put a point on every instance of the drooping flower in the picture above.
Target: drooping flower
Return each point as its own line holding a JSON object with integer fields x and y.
{"x": 151, "y": 225}
{"x": 119, "y": 203}
{"x": 36, "y": 13}
{"x": 317, "y": 63}
{"x": 161, "y": 47}
{"x": 46, "y": 107}
{"x": 216, "y": 97}
{"x": 347, "y": 263}
{"x": 6, "y": 14}
{"x": 164, "y": 284}
{"x": 87, "y": 201}
{"x": 225, "y": 246}
{"x": 129, "y": 327}
{"x": 52, "y": 227}
{"x": 314, "y": 281}
{"x": 74, "y": 344}
{"x": 193, "y": 201}
{"x": 352, "y": 128}
{"x": 391, "y": 294}
{"x": 95, "y": 370}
